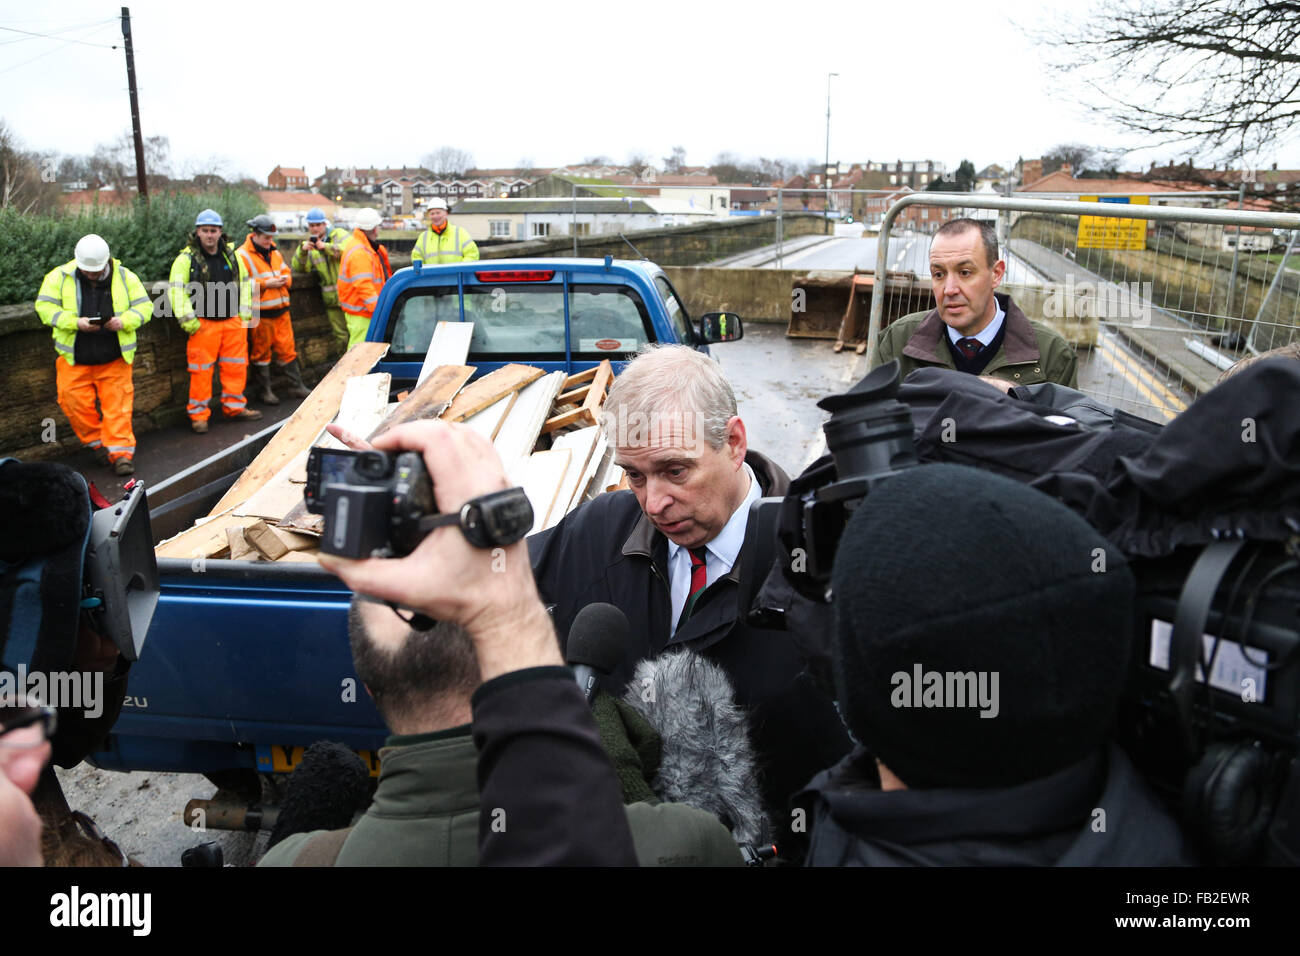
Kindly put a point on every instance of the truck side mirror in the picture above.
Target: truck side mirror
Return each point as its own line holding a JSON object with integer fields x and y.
{"x": 720, "y": 327}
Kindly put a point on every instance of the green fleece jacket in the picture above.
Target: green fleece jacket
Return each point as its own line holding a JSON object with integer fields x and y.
{"x": 1031, "y": 353}
{"x": 425, "y": 813}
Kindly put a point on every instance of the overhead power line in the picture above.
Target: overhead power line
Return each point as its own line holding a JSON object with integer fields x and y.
{"x": 28, "y": 34}
{"x": 65, "y": 43}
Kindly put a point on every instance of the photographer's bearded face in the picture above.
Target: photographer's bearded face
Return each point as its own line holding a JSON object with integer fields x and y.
{"x": 317, "y": 229}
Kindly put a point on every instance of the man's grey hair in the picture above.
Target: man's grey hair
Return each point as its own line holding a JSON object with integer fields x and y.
{"x": 667, "y": 380}
{"x": 988, "y": 235}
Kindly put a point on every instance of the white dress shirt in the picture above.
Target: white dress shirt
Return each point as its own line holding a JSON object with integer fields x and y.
{"x": 989, "y": 333}
{"x": 721, "y": 553}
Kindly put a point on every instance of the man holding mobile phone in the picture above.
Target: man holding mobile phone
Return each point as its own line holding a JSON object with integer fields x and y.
{"x": 320, "y": 254}
{"x": 93, "y": 306}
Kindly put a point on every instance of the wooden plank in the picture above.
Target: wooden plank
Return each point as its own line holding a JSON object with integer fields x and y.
{"x": 300, "y": 557}
{"x": 599, "y": 479}
{"x": 581, "y": 443}
{"x": 596, "y": 465}
{"x": 207, "y": 540}
{"x": 540, "y": 475}
{"x": 430, "y": 398}
{"x": 449, "y": 346}
{"x": 577, "y": 378}
{"x": 489, "y": 389}
{"x": 315, "y": 412}
{"x": 260, "y": 536}
{"x": 575, "y": 397}
{"x": 581, "y": 417}
{"x": 489, "y": 421}
{"x": 365, "y": 403}
{"x": 589, "y": 413}
{"x": 278, "y": 496}
{"x": 519, "y": 432}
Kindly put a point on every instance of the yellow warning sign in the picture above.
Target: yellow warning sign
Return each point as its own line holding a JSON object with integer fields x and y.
{"x": 1107, "y": 232}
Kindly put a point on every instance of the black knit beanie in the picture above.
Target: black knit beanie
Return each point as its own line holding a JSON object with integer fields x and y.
{"x": 958, "y": 593}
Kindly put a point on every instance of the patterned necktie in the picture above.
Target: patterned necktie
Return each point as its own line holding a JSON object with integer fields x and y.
{"x": 699, "y": 578}
{"x": 970, "y": 347}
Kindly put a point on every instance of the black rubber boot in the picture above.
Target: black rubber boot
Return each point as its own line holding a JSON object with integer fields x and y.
{"x": 293, "y": 372}
{"x": 264, "y": 393}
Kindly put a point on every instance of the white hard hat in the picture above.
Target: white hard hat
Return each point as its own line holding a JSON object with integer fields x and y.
{"x": 368, "y": 219}
{"x": 92, "y": 253}
{"x": 436, "y": 204}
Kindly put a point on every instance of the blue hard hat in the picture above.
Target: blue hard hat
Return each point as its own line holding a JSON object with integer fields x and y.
{"x": 209, "y": 217}
{"x": 315, "y": 215}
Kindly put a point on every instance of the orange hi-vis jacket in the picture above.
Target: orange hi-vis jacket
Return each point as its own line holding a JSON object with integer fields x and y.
{"x": 363, "y": 271}
{"x": 268, "y": 303}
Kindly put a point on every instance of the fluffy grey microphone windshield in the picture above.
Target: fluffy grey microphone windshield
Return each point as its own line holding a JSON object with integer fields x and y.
{"x": 707, "y": 761}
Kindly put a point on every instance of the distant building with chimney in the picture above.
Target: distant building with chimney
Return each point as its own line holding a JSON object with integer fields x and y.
{"x": 287, "y": 177}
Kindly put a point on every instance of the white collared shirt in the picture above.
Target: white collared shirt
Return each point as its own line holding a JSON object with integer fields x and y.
{"x": 990, "y": 331}
{"x": 721, "y": 552}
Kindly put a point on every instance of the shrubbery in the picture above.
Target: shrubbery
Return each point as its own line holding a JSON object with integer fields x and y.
{"x": 145, "y": 237}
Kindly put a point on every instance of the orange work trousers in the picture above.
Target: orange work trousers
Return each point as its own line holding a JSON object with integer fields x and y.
{"x": 221, "y": 342}
{"x": 273, "y": 335}
{"x": 80, "y": 385}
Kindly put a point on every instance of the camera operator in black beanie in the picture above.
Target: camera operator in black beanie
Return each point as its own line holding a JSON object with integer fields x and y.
{"x": 981, "y": 640}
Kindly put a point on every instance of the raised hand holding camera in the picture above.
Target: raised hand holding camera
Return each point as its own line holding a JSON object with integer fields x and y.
{"x": 488, "y": 589}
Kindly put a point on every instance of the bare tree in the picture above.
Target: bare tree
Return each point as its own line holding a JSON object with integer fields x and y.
{"x": 114, "y": 163}
{"x": 1222, "y": 73}
{"x": 1078, "y": 155}
{"x": 27, "y": 179}
{"x": 675, "y": 162}
{"x": 449, "y": 161}
{"x": 206, "y": 171}
{"x": 637, "y": 159}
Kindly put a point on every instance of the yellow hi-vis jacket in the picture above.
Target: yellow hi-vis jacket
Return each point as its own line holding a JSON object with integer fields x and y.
{"x": 324, "y": 262}
{"x": 59, "y": 306}
{"x": 454, "y": 245}
{"x": 184, "y": 297}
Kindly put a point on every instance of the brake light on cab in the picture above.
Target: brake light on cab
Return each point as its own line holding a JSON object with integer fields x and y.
{"x": 516, "y": 275}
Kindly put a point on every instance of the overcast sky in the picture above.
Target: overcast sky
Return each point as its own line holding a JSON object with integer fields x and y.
{"x": 305, "y": 84}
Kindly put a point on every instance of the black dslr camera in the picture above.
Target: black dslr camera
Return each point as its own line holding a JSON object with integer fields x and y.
{"x": 380, "y": 505}
{"x": 869, "y": 437}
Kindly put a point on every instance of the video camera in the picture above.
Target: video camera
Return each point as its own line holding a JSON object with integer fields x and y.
{"x": 381, "y": 505}
{"x": 63, "y": 560}
{"x": 1222, "y": 751}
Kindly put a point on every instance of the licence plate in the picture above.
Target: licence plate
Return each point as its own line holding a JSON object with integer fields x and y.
{"x": 280, "y": 759}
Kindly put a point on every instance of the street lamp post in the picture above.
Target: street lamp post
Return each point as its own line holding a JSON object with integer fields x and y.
{"x": 826, "y": 171}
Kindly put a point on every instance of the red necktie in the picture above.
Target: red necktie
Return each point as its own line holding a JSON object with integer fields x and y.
{"x": 699, "y": 579}
{"x": 970, "y": 347}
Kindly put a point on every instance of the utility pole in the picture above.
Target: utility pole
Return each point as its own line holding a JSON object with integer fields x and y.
{"x": 142, "y": 183}
{"x": 826, "y": 210}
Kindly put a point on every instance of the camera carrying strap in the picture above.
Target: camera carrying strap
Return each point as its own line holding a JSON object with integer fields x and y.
{"x": 1190, "y": 622}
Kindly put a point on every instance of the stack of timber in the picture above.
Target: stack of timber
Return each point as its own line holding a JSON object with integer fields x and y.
{"x": 544, "y": 427}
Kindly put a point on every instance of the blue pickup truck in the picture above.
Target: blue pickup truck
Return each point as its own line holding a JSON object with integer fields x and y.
{"x": 246, "y": 663}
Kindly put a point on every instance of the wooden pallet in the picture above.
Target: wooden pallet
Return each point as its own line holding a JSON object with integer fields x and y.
{"x": 586, "y": 390}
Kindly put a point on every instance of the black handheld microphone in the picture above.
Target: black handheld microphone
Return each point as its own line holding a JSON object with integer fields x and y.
{"x": 597, "y": 643}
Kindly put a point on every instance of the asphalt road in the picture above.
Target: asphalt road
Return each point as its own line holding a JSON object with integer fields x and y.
{"x": 142, "y": 810}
